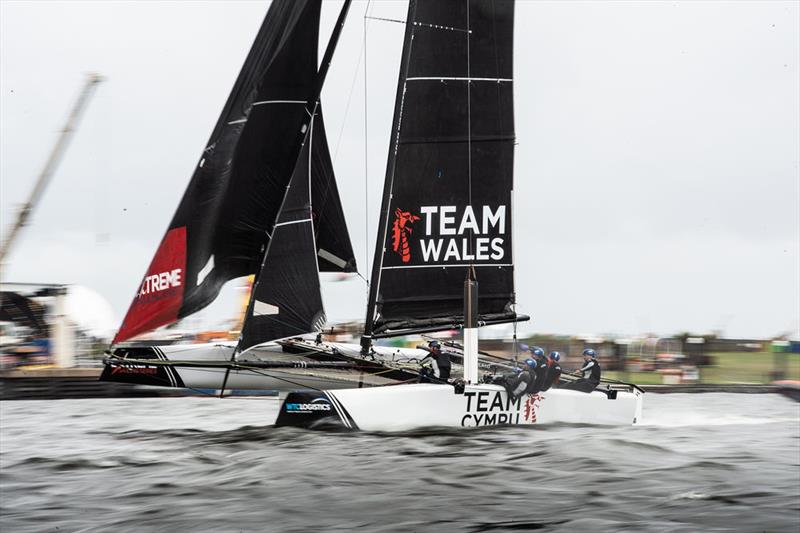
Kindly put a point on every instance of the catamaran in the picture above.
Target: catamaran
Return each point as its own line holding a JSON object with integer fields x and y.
{"x": 255, "y": 205}
{"x": 262, "y": 202}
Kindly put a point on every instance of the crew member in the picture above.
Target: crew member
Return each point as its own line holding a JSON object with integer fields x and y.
{"x": 553, "y": 371}
{"x": 590, "y": 373}
{"x": 523, "y": 381}
{"x": 541, "y": 370}
{"x": 439, "y": 360}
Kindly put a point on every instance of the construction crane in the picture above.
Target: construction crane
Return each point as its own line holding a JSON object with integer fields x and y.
{"x": 50, "y": 166}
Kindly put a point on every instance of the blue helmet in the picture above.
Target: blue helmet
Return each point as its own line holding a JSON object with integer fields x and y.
{"x": 555, "y": 356}
{"x": 591, "y": 353}
{"x": 434, "y": 345}
{"x": 538, "y": 352}
{"x": 530, "y": 362}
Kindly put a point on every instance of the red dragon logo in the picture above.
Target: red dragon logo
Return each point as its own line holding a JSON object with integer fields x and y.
{"x": 401, "y": 228}
{"x": 532, "y": 407}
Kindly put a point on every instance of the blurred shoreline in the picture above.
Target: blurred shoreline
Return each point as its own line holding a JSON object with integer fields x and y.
{"x": 81, "y": 383}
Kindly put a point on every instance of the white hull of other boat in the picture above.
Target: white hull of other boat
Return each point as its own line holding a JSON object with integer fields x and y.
{"x": 203, "y": 367}
{"x": 407, "y": 407}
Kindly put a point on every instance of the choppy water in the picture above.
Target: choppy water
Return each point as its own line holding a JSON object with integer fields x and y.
{"x": 701, "y": 462}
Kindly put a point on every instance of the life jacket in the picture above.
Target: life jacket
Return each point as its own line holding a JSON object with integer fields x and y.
{"x": 521, "y": 383}
{"x": 442, "y": 359}
{"x": 536, "y": 376}
{"x": 591, "y": 371}
{"x": 541, "y": 375}
{"x": 553, "y": 375}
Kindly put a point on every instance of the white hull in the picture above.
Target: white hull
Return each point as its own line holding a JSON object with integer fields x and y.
{"x": 406, "y": 407}
{"x": 255, "y": 380}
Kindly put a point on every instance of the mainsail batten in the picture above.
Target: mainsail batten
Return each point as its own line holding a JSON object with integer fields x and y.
{"x": 449, "y": 180}
{"x": 222, "y": 225}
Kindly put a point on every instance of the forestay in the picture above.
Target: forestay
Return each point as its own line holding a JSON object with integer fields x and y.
{"x": 449, "y": 178}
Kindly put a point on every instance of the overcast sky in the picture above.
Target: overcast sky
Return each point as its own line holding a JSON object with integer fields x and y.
{"x": 657, "y": 171}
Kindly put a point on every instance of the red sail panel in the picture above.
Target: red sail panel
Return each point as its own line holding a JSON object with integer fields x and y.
{"x": 160, "y": 295}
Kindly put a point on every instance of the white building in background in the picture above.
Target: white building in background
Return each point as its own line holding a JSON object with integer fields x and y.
{"x": 59, "y": 325}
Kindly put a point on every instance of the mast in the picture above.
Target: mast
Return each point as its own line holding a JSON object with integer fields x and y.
{"x": 326, "y": 61}
{"x": 471, "y": 327}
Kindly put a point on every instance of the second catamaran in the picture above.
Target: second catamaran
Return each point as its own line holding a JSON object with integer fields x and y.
{"x": 263, "y": 201}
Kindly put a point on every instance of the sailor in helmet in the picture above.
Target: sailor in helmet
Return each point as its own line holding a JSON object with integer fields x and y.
{"x": 440, "y": 361}
{"x": 541, "y": 370}
{"x": 553, "y": 371}
{"x": 525, "y": 379}
{"x": 589, "y": 372}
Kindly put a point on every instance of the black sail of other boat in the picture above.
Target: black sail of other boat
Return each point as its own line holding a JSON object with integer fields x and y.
{"x": 221, "y": 229}
{"x": 287, "y": 300}
{"x": 449, "y": 178}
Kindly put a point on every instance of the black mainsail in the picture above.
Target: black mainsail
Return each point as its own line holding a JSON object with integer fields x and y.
{"x": 221, "y": 228}
{"x": 449, "y": 178}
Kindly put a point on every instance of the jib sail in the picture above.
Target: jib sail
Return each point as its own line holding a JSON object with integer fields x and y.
{"x": 286, "y": 298}
{"x": 449, "y": 178}
{"x": 334, "y": 251}
{"x": 221, "y": 228}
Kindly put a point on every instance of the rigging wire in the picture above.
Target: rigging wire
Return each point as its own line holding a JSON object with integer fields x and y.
{"x": 384, "y": 19}
{"x": 349, "y": 98}
{"x": 362, "y": 54}
{"x": 366, "y": 154}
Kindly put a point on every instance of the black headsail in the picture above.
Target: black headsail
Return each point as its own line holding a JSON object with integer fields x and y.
{"x": 222, "y": 225}
{"x": 449, "y": 178}
{"x": 286, "y": 300}
{"x": 286, "y": 297}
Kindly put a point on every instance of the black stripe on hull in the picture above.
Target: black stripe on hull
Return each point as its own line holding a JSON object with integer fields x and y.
{"x": 314, "y": 410}
{"x": 142, "y": 373}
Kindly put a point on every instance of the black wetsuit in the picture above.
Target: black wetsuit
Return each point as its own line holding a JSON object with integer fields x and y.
{"x": 541, "y": 376}
{"x": 553, "y": 374}
{"x": 519, "y": 384}
{"x": 442, "y": 362}
{"x": 590, "y": 379}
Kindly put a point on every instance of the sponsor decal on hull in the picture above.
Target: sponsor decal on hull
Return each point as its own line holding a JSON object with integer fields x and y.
{"x": 134, "y": 369}
{"x": 489, "y": 408}
{"x": 310, "y": 410}
{"x": 493, "y": 408}
{"x": 317, "y": 404}
{"x": 143, "y": 373}
{"x": 531, "y": 409}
